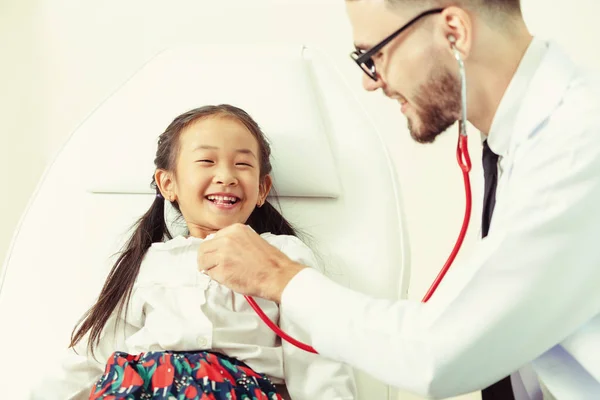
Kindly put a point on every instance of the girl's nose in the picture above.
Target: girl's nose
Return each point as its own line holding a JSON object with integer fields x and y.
{"x": 225, "y": 177}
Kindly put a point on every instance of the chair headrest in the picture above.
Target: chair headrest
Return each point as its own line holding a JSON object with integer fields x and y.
{"x": 124, "y": 130}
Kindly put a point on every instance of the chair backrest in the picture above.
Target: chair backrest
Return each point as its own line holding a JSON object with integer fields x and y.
{"x": 331, "y": 170}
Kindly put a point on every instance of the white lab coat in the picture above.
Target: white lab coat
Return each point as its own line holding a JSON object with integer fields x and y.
{"x": 528, "y": 298}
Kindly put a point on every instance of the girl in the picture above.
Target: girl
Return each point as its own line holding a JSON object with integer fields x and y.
{"x": 162, "y": 330}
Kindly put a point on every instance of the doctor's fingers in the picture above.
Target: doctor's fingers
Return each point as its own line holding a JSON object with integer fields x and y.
{"x": 221, "y": 244}
{"x": 221, "y": 256}
{"x": 210, "y": 252}
{"x": 209, "y": 246}
{"x": 235, "y": 230}
{"x": 208, "y": 261}
{"x": 238, "y": 280}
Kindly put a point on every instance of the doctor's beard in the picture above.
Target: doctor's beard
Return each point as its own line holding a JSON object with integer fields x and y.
{"x": 438, "y": 106}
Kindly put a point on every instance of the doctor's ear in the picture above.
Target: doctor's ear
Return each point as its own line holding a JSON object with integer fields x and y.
{"x": 455, "y": 31}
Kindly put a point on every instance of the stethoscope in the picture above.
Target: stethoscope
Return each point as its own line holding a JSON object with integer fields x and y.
{"x": 464, "y": 162}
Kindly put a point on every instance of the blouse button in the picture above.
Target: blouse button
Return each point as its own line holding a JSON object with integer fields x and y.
{"x": 202, "y": 342}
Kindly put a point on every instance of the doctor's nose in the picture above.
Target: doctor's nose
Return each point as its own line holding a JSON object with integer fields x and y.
{"x": 370, "y": 85}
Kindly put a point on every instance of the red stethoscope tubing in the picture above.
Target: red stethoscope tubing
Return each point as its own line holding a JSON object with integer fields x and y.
{"x": 464, "y": 162}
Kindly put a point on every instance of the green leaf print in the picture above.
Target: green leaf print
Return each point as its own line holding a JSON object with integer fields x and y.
{"x": 228, "y": 365}
{"x": 118, "y": 371}
{"x": 187, "y": 367}
{"x": 148, "y": 379}
{"x": 141, "y": 370}
{"x": 177, "y": 364}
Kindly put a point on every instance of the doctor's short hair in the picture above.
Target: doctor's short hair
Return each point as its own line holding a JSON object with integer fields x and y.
{"x": 507, "y": 7}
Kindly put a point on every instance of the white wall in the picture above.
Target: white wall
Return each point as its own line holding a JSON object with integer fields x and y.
{"x": 60, "y": 58}
{"x": 22, "y": 132}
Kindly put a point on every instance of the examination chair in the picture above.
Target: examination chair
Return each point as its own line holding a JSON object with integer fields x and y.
{"x": 332, "y": 172}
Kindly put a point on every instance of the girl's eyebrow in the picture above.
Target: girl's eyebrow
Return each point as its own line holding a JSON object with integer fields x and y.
{"x": 246, "y": 151}
{"x": 207, "y": 147}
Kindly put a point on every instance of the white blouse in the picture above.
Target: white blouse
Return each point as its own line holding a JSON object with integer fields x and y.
{"x": 175, "y": 307}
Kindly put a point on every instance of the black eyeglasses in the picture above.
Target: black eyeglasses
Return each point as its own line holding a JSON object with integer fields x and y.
{"x": 365, "y": 60}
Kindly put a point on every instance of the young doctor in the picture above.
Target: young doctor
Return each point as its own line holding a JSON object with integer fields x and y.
{"x": 523, "y": 319}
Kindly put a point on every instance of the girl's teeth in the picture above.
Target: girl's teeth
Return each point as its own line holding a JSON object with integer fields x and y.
{"x": 222, "y": 199}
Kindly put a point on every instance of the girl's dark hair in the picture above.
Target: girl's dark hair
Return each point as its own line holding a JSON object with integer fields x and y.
{"x": 151, "y": 227}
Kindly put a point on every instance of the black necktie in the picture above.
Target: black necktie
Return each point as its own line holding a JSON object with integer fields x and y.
{"x": 490, "y": 176}
{"x": 501, "y": 390}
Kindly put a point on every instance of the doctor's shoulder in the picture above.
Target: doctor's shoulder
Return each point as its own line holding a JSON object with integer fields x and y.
{"x": 581, "y": 101}
{"x": 574, "y": 123}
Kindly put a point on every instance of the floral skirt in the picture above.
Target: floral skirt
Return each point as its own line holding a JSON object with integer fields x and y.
{"x": 179, "y": 375}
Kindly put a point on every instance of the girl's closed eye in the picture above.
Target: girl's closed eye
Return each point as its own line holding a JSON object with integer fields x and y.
{"x": 206, "y": 161}
{"x": 245, "y": 164}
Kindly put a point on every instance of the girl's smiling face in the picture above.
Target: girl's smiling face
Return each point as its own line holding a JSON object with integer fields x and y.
{"x": 216, "y": 181}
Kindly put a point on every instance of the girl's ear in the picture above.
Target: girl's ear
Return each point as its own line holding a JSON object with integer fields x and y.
{"x": 166, "y": 184}
{"x": 264, "y": 189}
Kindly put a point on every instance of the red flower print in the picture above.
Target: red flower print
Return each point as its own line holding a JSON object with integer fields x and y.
{"x": 131, "y": 379}
{"x": 163, "y": 376}
{"x": 209, "y": 372}
{"x": 191, "y": 392}
{"x": 260, "y": 395}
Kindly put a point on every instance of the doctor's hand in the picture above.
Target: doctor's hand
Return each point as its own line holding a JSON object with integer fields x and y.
{"x": 240, "y": 259}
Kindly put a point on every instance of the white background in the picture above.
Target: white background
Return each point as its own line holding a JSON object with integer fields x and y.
{"x": 60, "y": 58}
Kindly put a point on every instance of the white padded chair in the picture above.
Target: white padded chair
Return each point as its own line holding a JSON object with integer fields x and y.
{"x": 331, "y": 170}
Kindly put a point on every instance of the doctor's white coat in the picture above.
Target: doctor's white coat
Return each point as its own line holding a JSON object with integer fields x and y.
{"x": 527, "y": 302}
